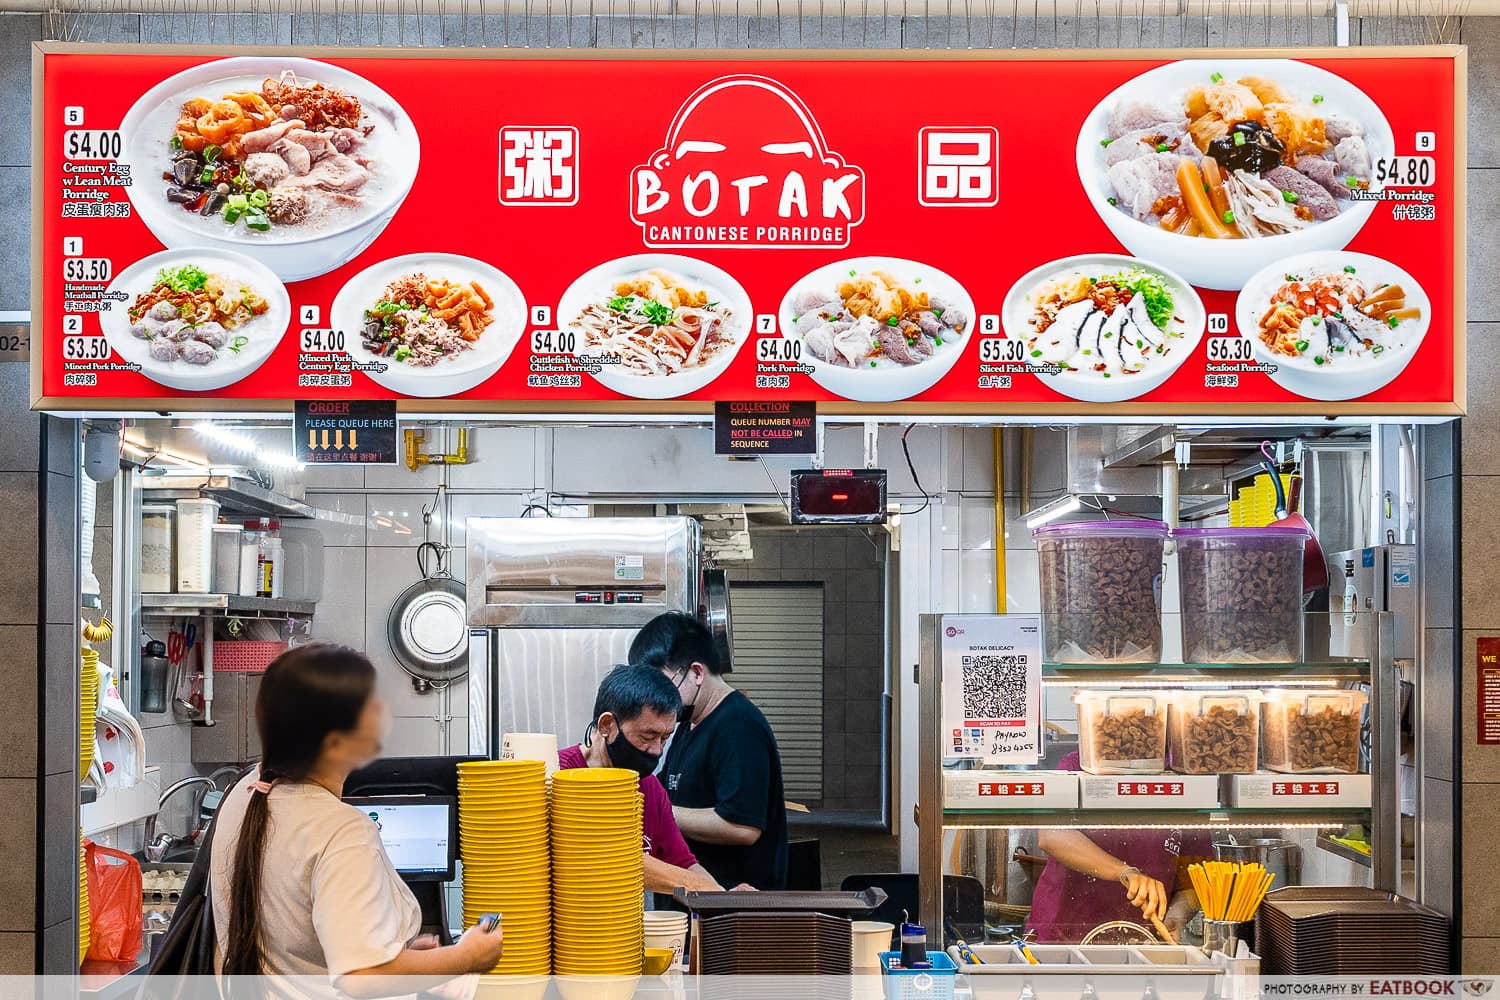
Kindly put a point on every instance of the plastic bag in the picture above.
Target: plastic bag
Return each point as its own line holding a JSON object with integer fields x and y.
{"x": 115, "y": 914}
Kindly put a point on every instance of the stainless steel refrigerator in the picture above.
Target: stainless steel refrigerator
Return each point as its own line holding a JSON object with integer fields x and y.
{"x": 554, "y": 603}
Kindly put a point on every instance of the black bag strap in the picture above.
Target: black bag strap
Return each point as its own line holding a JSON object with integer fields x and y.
{"x": 196, "y": 885}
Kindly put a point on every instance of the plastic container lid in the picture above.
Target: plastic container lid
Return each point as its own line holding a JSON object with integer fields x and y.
{"x": 1270, "y": 531}
{"x": 1107, "y": 529}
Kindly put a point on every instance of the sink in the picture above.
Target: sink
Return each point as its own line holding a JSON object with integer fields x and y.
{"x": 178, "y": 857}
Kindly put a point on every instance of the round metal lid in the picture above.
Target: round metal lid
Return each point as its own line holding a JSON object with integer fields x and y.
{"x": 428, "y": 629}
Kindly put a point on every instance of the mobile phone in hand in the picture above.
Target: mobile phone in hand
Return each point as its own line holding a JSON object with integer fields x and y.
{"x": 488, "y": 921}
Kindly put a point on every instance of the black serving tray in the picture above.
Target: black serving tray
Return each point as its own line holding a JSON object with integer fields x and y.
{"x": 846, "y": 904}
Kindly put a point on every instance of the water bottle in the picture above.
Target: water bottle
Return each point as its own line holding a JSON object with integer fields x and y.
{"x": 154, "y": 671}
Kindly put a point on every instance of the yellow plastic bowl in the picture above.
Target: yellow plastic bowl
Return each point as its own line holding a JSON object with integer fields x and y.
{"x": 657, "y": 961}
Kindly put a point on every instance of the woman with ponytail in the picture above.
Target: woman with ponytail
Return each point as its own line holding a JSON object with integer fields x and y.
{"x": 300, "y": 883}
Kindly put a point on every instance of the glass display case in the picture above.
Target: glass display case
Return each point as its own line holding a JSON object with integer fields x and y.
{"x": 1281, "y": 744}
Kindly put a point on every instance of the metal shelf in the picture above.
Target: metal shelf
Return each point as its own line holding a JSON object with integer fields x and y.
{"x": 1096, "y": 819}
{"x": 236, "y": 495}
{"x": 1095, "y": 672}
{"x": 224, "y": 605}
{"x": 1347, "y": 853}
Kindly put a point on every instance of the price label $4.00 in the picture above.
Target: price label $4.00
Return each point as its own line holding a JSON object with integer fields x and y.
{"x": 563, "y": 342}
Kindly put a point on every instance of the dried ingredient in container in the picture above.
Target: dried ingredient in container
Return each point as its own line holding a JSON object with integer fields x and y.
{"x": 1241, "y": 594}
{"x": 1214, "y": 735}
{"x": 1122, "y": 733}
{"x": 1313, "y": 732}
{"x": 1101, "y": 591}
{"x": 1301, "y": 740}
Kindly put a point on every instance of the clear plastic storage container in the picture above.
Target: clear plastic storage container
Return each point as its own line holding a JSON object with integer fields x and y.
{"x": 1122, "y": 732}
{"x": 1312, "y": 732}
{"x": 158, "y": 548}
{"x": 1214, "y": 732}
{"x": 1241, "y": 594}
{"x": 1101, "y": 591}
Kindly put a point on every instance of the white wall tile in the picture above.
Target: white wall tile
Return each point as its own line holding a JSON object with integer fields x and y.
{"x": 977, "y": 522}
{"x": 398, "y": 476}
{"x": 395, "y": 519}
{"x": 1023, "y": 594}
{"x": 1017, "y": 535}
{"x": 340, "y": 616}
{"x": 389, "y": 571}
{"x": 951, "y": 590}
{"x": 339, "y": 517}
{"x": 951, "y": 510}
{"x": 462, "y": 506}
{"x": 500, "y": 458}
{"x": 976, "y": 577}
{"x": 414, "y": 738}
{"x": 317, "y": 478}
{"x": 979, "y": 460}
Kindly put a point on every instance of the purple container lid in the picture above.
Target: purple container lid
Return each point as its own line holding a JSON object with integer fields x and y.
{"x": 1269, "y": 531}
{"x": 1123, "y": 528}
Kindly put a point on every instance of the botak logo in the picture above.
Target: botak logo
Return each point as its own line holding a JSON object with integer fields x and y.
{"x": 745, "y": 164}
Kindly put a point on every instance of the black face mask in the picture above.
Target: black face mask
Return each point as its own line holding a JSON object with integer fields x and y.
{"x": 623, "y": 753}
{"x": 685, "y": 714}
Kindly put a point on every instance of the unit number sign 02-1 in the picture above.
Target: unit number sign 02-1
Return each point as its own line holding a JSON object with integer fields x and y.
{"x": 992, "y": 688}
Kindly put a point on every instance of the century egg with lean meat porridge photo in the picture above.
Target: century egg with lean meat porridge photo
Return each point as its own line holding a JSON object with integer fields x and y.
{"x": 878, "y": 329}
{"x": 296, "y": 162}
{"x": 1216, "y": 168}
{"x": 198, "y": 319}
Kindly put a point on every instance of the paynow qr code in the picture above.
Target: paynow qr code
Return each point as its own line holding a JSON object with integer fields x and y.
{"x": 995, "y": 687}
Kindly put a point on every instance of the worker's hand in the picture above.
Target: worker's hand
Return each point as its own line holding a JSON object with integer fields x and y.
{"x": 1180, "y": 913}
{"x": 744, "y": 887}
{"x": 1145, "y": 893}
{"x": 483, "y": 949}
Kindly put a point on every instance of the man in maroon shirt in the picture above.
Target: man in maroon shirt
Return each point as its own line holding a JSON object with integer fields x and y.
{"x": 635, "y": 713}
{"x": 1097, "y": 876}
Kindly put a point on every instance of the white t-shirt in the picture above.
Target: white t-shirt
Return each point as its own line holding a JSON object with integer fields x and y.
{"x": 330, "y": 902}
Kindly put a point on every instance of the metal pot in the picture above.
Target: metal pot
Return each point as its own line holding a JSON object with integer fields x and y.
{"x": 429, "y": 632}
{"x": 1282, "y": 858}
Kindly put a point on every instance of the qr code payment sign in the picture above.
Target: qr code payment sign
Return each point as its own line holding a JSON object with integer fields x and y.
{"x": 995, "y": 687}
{"x": 958, "y": 167}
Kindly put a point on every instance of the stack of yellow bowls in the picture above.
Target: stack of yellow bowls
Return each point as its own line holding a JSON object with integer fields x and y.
{"x": 88, "y": 708}
{"x": 502, "y": 820}
{"x": 85, "y": 923}
{"x": 598, "y": 878}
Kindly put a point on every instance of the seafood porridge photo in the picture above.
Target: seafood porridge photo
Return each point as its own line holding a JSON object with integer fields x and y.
{"x": 1105, "y": 327}
{"x": 1199, "y": 156}
{"x": 429, "y": 324}
{"x": 663, "y": 326}
{"x": 299, "y": 155}
{"x": 1336, "y": 325}
{"x": 878, "y": 328}
{"x": 196, "y": 320}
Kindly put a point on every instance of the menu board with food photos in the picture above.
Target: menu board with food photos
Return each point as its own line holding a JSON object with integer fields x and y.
{"x": 1205, "y": 233}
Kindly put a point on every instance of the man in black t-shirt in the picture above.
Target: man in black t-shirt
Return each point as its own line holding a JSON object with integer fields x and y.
{"x": 723, "y": 769}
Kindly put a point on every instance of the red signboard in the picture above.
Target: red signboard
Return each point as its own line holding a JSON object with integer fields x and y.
{"x": 1487, "y": 673}
{"x": 1305, "y": 788}
{"x": 1168, "y": 788}
{"x": 1012, "y": 788}
{"x": 1221, "y": 233}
